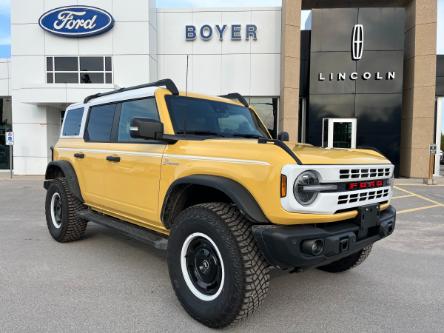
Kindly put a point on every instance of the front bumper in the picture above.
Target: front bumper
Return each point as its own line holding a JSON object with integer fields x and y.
{"x": 282, "y": 245}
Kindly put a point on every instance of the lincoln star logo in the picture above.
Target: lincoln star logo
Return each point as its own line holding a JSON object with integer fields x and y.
{"x": 357, "y": 41}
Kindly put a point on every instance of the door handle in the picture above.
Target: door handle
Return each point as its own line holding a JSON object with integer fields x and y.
{"x": 79, "y": 155}
{"x": 113, "y": 158}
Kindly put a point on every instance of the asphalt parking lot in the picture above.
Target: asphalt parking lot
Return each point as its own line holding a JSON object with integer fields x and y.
{"x": 109, "y": 283}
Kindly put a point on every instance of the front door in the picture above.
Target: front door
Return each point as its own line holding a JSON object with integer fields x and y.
{"x": 132, "y": 175}
{"x": 339, "y": 133}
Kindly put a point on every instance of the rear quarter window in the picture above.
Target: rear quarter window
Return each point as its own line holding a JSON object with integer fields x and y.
{"x": 72, "y": 122}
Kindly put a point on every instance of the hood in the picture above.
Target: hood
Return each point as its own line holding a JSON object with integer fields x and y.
{"x": 315, "y": 155}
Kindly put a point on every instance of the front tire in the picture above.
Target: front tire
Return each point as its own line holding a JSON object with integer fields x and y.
{"x": 216, "y": 269}
{"x": 349, "y": 262}
{"x": 61, "y": 209}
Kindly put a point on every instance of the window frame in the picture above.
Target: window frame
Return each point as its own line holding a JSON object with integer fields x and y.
{"x": 79, "y": 72}
{"x": 116, "y": 121}
{"x": 82, "y": 124}
{"x": 119, "y": 112}
{"x": 85, "y": 132}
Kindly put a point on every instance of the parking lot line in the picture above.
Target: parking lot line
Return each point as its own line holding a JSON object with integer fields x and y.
{"x": 420, "y": 196}
{"x": 416, "y": 209}
{"x": 403, "y": 196}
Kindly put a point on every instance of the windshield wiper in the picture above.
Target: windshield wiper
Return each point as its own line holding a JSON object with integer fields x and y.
{"x": 200, "y": 133}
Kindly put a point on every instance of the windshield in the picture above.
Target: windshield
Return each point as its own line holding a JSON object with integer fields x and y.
{"x": 204, "y": 117}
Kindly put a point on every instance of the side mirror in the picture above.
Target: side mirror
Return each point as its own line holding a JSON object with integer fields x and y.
{"x": 284, "y": 136}
{"x": 145, "y": 128}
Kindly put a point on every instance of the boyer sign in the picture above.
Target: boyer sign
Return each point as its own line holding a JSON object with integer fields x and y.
{"x": 76, "y": 21}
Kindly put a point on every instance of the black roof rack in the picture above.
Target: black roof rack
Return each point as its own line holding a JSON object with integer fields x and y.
{"x": 237, "y": 96}
{"x": 168, "y": 83}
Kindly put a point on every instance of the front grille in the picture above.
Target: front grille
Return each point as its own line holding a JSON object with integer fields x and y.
{"x": 363, "y": 196}
{"x": 364, "y": 173}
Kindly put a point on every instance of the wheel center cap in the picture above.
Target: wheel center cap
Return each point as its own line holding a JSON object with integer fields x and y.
{"x": 204, "y": 266}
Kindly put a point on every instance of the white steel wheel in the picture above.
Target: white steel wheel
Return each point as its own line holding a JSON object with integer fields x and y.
{"x": 56, "y": 210}
{"x": 202, "y": 266}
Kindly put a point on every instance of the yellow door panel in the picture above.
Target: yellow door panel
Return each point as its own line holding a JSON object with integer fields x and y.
{"x": 132, "y": 184}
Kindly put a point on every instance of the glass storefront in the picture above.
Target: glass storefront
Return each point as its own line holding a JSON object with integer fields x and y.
{"x": 5, "y": 125}
{"x": 267, "y": 109}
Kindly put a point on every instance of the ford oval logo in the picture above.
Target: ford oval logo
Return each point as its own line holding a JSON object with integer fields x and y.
{"x": 76, "y": 21}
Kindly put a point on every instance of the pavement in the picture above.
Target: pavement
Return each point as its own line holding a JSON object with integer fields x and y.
{"x": 110, "y": 283}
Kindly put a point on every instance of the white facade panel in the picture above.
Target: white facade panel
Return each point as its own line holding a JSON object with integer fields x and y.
{"x": 28, "y": 71}
{"x": 131, "y": 38}
{"x": 90, "y": 47}
{"x": 132, "y": 10}
{"x": 25, "y": 11}
{"x": 174, "y": 67}
{"x": 131, "y": 69}
{"x": 206, "y": 74}
{"x": 236, "y": 73}
{"x": 269, "y": 40}
{"x": 5, "y": 77}
{"x": 54, "y": 45}
{"x": 265, "y": 74}
{"x": 28, "y": 40}
{"x": 171, "y": 33}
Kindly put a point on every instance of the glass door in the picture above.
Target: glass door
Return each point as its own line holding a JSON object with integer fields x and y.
{"x": 339, "y": 132}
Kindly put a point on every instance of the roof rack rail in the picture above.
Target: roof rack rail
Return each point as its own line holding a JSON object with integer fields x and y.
{"x": 168, "y": 83}
{"x": 237, "y": 96}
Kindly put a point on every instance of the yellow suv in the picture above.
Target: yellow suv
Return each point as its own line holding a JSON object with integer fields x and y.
{"x": 202, "y": 178}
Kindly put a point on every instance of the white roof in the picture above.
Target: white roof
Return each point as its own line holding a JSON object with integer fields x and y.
{"x": 121, "y": 96}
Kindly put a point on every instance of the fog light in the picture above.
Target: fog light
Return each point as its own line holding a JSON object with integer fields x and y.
{"x": 313, "y": 247}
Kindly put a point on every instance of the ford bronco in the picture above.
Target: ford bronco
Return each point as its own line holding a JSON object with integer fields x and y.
{"x": 202, "y": 178}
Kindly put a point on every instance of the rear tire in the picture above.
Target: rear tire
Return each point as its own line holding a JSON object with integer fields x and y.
{"x": 61, "y": 209}
{"x": 349, "y": 262}
{"x": 216, "y": 269}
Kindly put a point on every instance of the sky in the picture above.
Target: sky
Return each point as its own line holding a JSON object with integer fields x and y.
{"x": 5, "y": 39}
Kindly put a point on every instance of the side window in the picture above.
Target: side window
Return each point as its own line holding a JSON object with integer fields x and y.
{"x": 141, "y": 108}
{"x": 100, "y": 123}
{"x": 73, "y": 122}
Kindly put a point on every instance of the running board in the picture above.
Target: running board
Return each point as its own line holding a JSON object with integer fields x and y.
{"x": 134, "y": 231}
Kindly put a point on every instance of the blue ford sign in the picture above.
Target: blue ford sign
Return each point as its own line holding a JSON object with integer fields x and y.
{"x": 76, "y": 21}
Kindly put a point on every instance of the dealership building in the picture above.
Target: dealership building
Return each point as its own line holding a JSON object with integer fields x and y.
{"x": 357, "y": 74}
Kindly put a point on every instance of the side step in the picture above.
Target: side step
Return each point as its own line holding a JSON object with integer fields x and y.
{"x": 131, "y": 230}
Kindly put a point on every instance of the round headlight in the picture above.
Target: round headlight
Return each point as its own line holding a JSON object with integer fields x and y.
{"x": 305, "y": 178}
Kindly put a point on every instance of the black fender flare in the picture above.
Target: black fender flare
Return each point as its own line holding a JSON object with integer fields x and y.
{"x": 52, "y": 170}
{"x": 240, "y": 196}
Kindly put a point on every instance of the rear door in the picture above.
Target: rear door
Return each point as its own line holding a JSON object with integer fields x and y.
{"x": 133, "y": 173}
{"x": 93, "y": 165}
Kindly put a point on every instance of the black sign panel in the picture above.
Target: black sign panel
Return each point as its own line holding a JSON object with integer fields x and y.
{"x": 356, "y": 71}
{"x": 440, "y": 75}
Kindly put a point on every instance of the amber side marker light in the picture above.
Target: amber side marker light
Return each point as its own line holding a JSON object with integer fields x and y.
{"x": 283, "y": 186}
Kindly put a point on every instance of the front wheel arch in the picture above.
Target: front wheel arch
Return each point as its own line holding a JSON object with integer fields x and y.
{"x": 230, "y": 190}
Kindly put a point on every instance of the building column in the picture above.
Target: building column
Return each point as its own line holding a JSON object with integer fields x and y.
{"x": 35, "y": 128}
{"x": 290, "y": 67}
{"x": 418, "y": 130}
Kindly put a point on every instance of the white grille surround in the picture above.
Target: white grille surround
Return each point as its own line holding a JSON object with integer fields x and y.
{"x": 332, "y": 202}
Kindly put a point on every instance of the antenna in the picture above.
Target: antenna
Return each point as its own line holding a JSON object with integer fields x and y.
{"x": 186, "y": 78}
